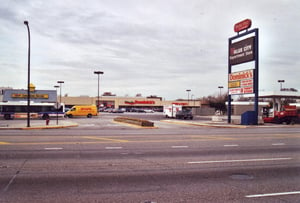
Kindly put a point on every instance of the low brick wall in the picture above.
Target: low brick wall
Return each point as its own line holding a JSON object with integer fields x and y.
{"x": 135, "y": 121}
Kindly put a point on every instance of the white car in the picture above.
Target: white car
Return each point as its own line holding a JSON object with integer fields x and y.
{"x": 148, "y": 110}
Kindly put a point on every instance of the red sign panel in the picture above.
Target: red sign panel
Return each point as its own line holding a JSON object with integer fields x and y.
{"x": 243, "y": 25}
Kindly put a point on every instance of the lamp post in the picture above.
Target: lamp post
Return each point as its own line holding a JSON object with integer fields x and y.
{"x": 56, "y": 86}
{"x": 192, "y": 98}
{"x": 98, "y": 73}
{"x": 281, "y": 81}
{"x": 60, "y": 82}
{"x": 188, "y": 91}
{"x": 28, "y": 77}
{"x": 220, "y": 87}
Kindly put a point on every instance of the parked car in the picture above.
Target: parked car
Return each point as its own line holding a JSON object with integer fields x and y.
{"x": 148, "y": 110}
{"x": 109, "y": 110}
{"x": 117, "y": 111}
{"x": 184, "y": 114}
{"x": 137, "y": 110}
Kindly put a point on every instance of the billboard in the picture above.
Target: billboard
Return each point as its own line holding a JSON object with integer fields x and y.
{"x": 241, "y": 51}
{"x": 241, "y": 82}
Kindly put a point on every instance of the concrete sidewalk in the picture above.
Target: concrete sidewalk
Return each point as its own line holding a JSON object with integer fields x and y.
{"x": 205, "y": 123}
{"x": 222, "y": 124}
{"x": 35, "y": 124}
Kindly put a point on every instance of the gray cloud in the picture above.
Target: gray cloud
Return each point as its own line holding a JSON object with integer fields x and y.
{"x": 149, "y": 47}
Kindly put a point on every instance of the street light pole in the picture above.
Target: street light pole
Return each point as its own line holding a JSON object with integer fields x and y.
{"x": 60, "y": 83}
{"x": 220, "y": 87}
{"x": 98, "y": 73}
{"x": 281, "y": 81}
{"x": 56, "y": 86}
{"x": 188, "y": 91}
{"x": 28, "y": 77}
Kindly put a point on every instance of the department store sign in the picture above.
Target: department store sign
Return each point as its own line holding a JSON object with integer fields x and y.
{"x": 139, "y": 102}
{"x": 33, "y": 96}
{"x": 242, "y": 51}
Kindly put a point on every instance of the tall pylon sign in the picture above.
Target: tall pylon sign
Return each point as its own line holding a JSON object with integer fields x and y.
{"x": 243, "y": 48}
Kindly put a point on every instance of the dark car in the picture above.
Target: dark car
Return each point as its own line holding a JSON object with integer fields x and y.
{"x": 184, "y": 114}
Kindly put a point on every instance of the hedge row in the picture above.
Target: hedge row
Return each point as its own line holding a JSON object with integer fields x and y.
{"x": 134, "y": 121}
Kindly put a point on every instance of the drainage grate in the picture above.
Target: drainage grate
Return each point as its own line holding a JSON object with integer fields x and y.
{"x": 241, "y": 176}
{"x": 148, "y": 201}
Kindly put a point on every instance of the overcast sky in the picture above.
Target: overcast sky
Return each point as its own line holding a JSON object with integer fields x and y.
{"x": 154, "y": 47}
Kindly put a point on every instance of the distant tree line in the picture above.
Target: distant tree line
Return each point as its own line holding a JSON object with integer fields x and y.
{"x": 217, "y": 102}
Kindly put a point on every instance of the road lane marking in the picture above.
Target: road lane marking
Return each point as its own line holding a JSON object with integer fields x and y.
{"x": 105, "y": 139}
{"x": 273, "y": 194}
{"x": 113, "y": 147}
{"x": 102, "y": 141}
{"x": 53, "y": 148}
{"x": 4, "y": 143}
{"x": 278, "y": 144}
{"x": 210, "y": 137}
{"x": 231, "y": 145}
{"x": 178, "y": 147}
{"x": 241, "y": 160}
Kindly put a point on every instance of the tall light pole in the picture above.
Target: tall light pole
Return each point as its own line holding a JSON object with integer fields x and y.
{"x": 60, "y": 82}
{"x": 98, "y": 73}
{"x": 281, "y": 81}
{"x": 28, "y": 77}
{"x": 56, "y": 105}
{"x": 192, "y": 98}
{"x": 220, "y": 87}
{"x": 188, "y": 91}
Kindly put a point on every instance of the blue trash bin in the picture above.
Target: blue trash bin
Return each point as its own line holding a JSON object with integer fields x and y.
{"x": 249, "y": 118}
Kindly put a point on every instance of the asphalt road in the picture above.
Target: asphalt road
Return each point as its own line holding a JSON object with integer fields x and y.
{"x": 103, "y": 161}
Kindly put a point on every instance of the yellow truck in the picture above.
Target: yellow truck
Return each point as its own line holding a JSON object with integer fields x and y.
{"x": 87, "y": 111}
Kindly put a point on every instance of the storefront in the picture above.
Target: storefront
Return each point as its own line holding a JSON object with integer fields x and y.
{"x": 37, "y": 96}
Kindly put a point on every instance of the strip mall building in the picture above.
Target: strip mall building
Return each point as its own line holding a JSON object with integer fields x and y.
{"x": 155, "y": 103}
{"x": 50, "y": 96}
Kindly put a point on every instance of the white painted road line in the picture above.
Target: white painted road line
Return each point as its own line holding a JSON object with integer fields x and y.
{"x": 231, "y": 145}
{"x": 278, "y": 144}
{"x": 274, "y": 194}
{"x": 113, "y": 147}
{"x": 241, "y": 160}
{"x": 53, "y": 148}
{"x": 178, "y": 147}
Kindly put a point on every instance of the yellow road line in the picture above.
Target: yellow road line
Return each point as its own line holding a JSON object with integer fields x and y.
{"x": 145, "y": 139}
{"x": 105, "y": 139}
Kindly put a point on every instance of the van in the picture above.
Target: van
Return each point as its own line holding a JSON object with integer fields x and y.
{"x": 87, "y": 111}
{"x": 171, "y": 110}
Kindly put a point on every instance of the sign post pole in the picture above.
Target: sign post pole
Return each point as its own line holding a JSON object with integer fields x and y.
{"x": 256, "y": 74}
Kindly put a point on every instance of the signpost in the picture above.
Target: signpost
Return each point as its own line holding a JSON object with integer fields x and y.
{"x": 243, "y": 49}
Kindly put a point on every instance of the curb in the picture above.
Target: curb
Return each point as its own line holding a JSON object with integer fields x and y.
{"x": 39, "y": 127}
{"x": 134, "y": 126}
{"x": 204, "y": 124}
